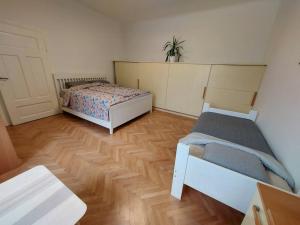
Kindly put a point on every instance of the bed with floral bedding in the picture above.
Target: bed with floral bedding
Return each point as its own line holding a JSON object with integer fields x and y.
{"x": 105, "y": 104}
{"x": 96, "y": 99}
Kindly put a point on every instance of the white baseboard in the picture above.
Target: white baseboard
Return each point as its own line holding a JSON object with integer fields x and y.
{"x": 176, "y": 113}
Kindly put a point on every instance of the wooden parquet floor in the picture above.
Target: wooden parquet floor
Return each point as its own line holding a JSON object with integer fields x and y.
{"x": 124, "y": 178}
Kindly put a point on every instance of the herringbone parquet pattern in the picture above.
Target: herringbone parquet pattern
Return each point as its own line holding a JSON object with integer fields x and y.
{"x": 124, "y": 178}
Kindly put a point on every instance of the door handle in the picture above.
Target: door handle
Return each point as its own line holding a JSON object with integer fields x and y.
{"x": 255, "y": 210}
{"x": 204, "y": 92}
{"x": 253, "y": 99}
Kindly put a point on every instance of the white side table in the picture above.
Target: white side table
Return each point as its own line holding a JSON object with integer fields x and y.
{"x": 38, "y": 197}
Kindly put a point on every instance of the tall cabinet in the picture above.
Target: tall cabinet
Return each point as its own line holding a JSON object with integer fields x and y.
{"x": 9, "y": 159}
{"x": 183, "y": 88}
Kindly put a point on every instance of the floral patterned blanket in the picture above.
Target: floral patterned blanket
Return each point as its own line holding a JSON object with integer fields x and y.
{"x": 95, "y": 99}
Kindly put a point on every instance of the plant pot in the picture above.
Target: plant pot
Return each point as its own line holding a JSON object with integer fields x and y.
{"x": 172, "y": 59}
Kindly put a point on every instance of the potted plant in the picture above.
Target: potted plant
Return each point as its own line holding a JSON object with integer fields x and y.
{"x": 173, "y": 50}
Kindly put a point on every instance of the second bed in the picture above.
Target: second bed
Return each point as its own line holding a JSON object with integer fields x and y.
{"x": 225, "y": 156}
{"x": 92, "y": 98}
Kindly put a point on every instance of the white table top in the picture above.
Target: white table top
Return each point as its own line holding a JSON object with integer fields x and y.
{"x": 38, "y": 197}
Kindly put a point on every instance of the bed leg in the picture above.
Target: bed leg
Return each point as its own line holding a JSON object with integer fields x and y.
{"x": 182, "y": 155}
{"x": 111, "y": 130}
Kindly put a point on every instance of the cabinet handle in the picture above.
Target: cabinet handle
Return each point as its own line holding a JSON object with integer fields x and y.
{"x": 138, "y": 83}
{"x": 271, "y": 219}
{"x": 204, "y": 92}
{"x": 3, "y": 78}
{"x": 253, "y": 99}
{"x": 255, "y": 210}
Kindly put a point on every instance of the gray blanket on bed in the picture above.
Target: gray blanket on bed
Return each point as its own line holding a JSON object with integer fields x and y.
{"x": 268, "y": 160}
{"x": 236, "y": 160}
{"x": 236, "y": 130}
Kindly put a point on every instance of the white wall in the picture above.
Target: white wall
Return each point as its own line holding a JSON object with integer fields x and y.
{"x": 78, "y": 38}
{"x": 237, "y": 33}
{"x": 278, "y": 102}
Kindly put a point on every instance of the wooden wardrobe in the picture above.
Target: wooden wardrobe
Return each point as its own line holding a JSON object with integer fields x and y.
{"x": 9, "y": 159}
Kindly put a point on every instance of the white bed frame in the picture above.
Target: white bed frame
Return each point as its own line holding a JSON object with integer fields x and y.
{"x": 118, "y": 114}
{"x": 227, "y": 186}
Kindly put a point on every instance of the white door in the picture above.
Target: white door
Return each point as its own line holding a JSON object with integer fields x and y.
{"x": 29, "y": 92}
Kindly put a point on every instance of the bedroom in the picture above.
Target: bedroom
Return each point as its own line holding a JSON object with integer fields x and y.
{"x": 237, "y": 56}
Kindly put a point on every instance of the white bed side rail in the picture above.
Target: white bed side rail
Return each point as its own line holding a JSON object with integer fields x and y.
{"x": 251, "y": 115}
{"x": 227, "y": 186}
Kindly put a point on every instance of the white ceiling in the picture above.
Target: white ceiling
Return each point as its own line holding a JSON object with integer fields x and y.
{"x": 134, "y": 10}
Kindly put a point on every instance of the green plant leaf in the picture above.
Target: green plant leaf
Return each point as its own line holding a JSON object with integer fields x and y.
{"x": 173, "y": 48}
{"x": 166, "y": 60}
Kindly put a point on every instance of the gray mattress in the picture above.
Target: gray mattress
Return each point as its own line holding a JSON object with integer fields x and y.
{"x": 237, "y": 130}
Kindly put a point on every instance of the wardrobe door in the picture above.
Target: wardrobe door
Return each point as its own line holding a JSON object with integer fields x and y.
{"x": 153, "y": 77}
{"x": 186, "y": 86}
{"x": 127, "y": 74}
{"x": 234, "y": 87}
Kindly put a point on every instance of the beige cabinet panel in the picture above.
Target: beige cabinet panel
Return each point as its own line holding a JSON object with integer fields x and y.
{"x": 127, "y": 74}
{"x": 186, "y": 85}
{"x": 233, "y": 87}
{"x": 153, "y": 77}
{"x": 233, "y": 100}
{"x": 233, "y": 77}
